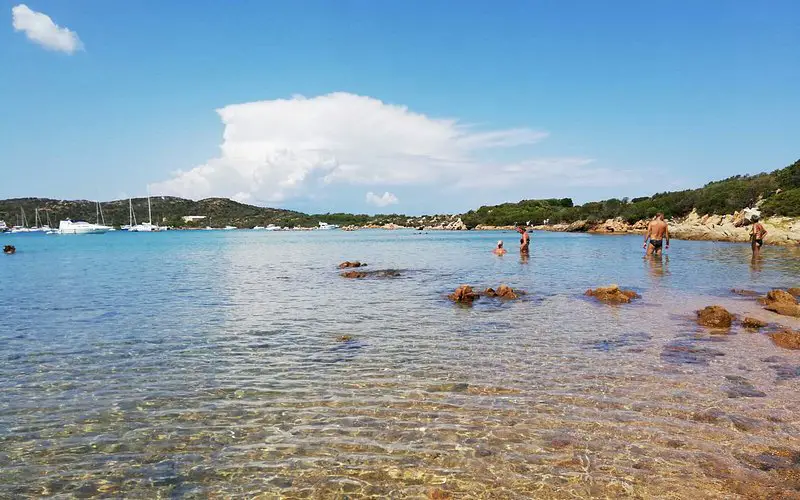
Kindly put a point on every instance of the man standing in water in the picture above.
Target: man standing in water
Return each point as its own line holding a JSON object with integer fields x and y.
{"x": 525, "y": 241}
{"x": 657, "y": 230}
{"x": 757, "y": 234}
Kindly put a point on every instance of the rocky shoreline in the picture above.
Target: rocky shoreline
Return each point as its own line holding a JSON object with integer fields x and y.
{"x": 731, "y": 228}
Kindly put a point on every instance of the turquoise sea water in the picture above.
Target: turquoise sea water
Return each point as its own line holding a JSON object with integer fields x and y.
{"x": 204, "y": 363}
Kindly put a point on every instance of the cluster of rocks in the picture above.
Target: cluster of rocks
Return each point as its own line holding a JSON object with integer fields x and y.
{"x": 465, "y": 294}
{"x": 9, "y": 249}
{"x": 612, "y": 294}
{"x": 779, "y": 301}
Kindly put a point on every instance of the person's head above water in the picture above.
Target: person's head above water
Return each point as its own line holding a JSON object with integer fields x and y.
{"x": 500, "y": 244}
{"x": 520, "y": 229}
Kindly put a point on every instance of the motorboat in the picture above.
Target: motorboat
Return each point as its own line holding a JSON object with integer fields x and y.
{"x": 229, "y": 228}
{"x": 326, "y": 226}
{"x": 81, "y": 227}
{"x": 3, "y": 226}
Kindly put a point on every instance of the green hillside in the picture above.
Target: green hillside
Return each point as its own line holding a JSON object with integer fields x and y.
{"x": 779, "y": 189}
{"x": 169, "y": 211}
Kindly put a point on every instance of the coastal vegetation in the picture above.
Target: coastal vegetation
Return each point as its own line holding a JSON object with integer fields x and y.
{"x": 779, "y": 192}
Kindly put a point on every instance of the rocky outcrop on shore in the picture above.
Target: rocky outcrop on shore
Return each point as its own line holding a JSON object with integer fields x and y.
{"x": 731, "y": 227}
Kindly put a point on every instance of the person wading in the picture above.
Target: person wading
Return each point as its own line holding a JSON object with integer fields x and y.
{"x": 757, "y": 233}
{"x": 525, "y": 241}
{"x": 657, "y": 230}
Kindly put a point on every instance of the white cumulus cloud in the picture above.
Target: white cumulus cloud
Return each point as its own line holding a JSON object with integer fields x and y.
{"x": 40, "y": 29}
{"x": 382, "y": 201}
{"x": 300, "y": 148}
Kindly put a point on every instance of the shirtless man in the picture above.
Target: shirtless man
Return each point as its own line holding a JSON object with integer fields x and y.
{"x": 525, "y": 241}
{"x": 499, "y": 250}
{"x": 657, "y": 230}
{"x": 757, "y": 234}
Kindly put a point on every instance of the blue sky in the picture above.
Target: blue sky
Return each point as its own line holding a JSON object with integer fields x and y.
{"x": 443, "y": 105}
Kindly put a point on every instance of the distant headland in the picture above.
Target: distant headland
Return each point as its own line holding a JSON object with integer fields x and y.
{"x": 714, "y": 211}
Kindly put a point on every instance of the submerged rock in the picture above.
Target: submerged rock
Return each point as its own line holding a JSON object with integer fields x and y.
{"x": 353, "y": 274}
{"x": 9, "y": 249}
{"x": 612, "y": 294}
{"x": 745, "y": 293}
{"x": 753, "y": 323}
{"x": 347, "y": 264}
{"x": 464, "y": 294}
{"x": 344, "y": 338}
{"x": 782, "y": 303}
{"x": 379, "y": 273}
{"x": 714, "y": 317}
{"x": 788, "y": 339}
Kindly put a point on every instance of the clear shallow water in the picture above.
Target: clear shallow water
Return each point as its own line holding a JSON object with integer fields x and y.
{"x": 191, "y": 364}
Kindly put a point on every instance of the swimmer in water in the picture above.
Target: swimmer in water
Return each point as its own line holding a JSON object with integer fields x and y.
{"x": 499, "y": 250}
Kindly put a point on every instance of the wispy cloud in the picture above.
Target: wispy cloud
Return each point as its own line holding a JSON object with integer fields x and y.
{"x": 40, "y": 29}
{"x": 382, "y": 201}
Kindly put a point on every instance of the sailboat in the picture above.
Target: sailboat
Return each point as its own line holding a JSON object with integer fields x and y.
{"x": 22, "y": 224}
{"x": 131, "y": 217}
{"x": 144, "y": 227}
{"x": 38, "y": 227}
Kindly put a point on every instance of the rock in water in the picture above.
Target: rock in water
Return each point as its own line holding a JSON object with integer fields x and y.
{"x": 714, "y": 317}
{"x": 464, "y": 294}
{"x": 745, "y": 293}
{"x": 347, "y": 264}
{"x": 782, "y": 302}
{"x": 794, "y": 292}
{"x": 788, "y": 339}
{"x": 753, "y": 323}
{"x": 378, "y": 273}
{"x": 612, "y": 294}
{"x": 353, "y": 274}
{"x": 506, "y": 292}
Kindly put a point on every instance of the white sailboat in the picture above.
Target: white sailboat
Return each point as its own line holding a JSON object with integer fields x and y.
{"x": 144, "y": 227}
{"x": 22, "y": 224}
{"x": 38, "y": 227}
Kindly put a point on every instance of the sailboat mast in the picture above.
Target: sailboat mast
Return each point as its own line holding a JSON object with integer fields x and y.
{"x": 149, "y": 211}
{"x": 102, "y": 217}
{"x": 37, "y": 222}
